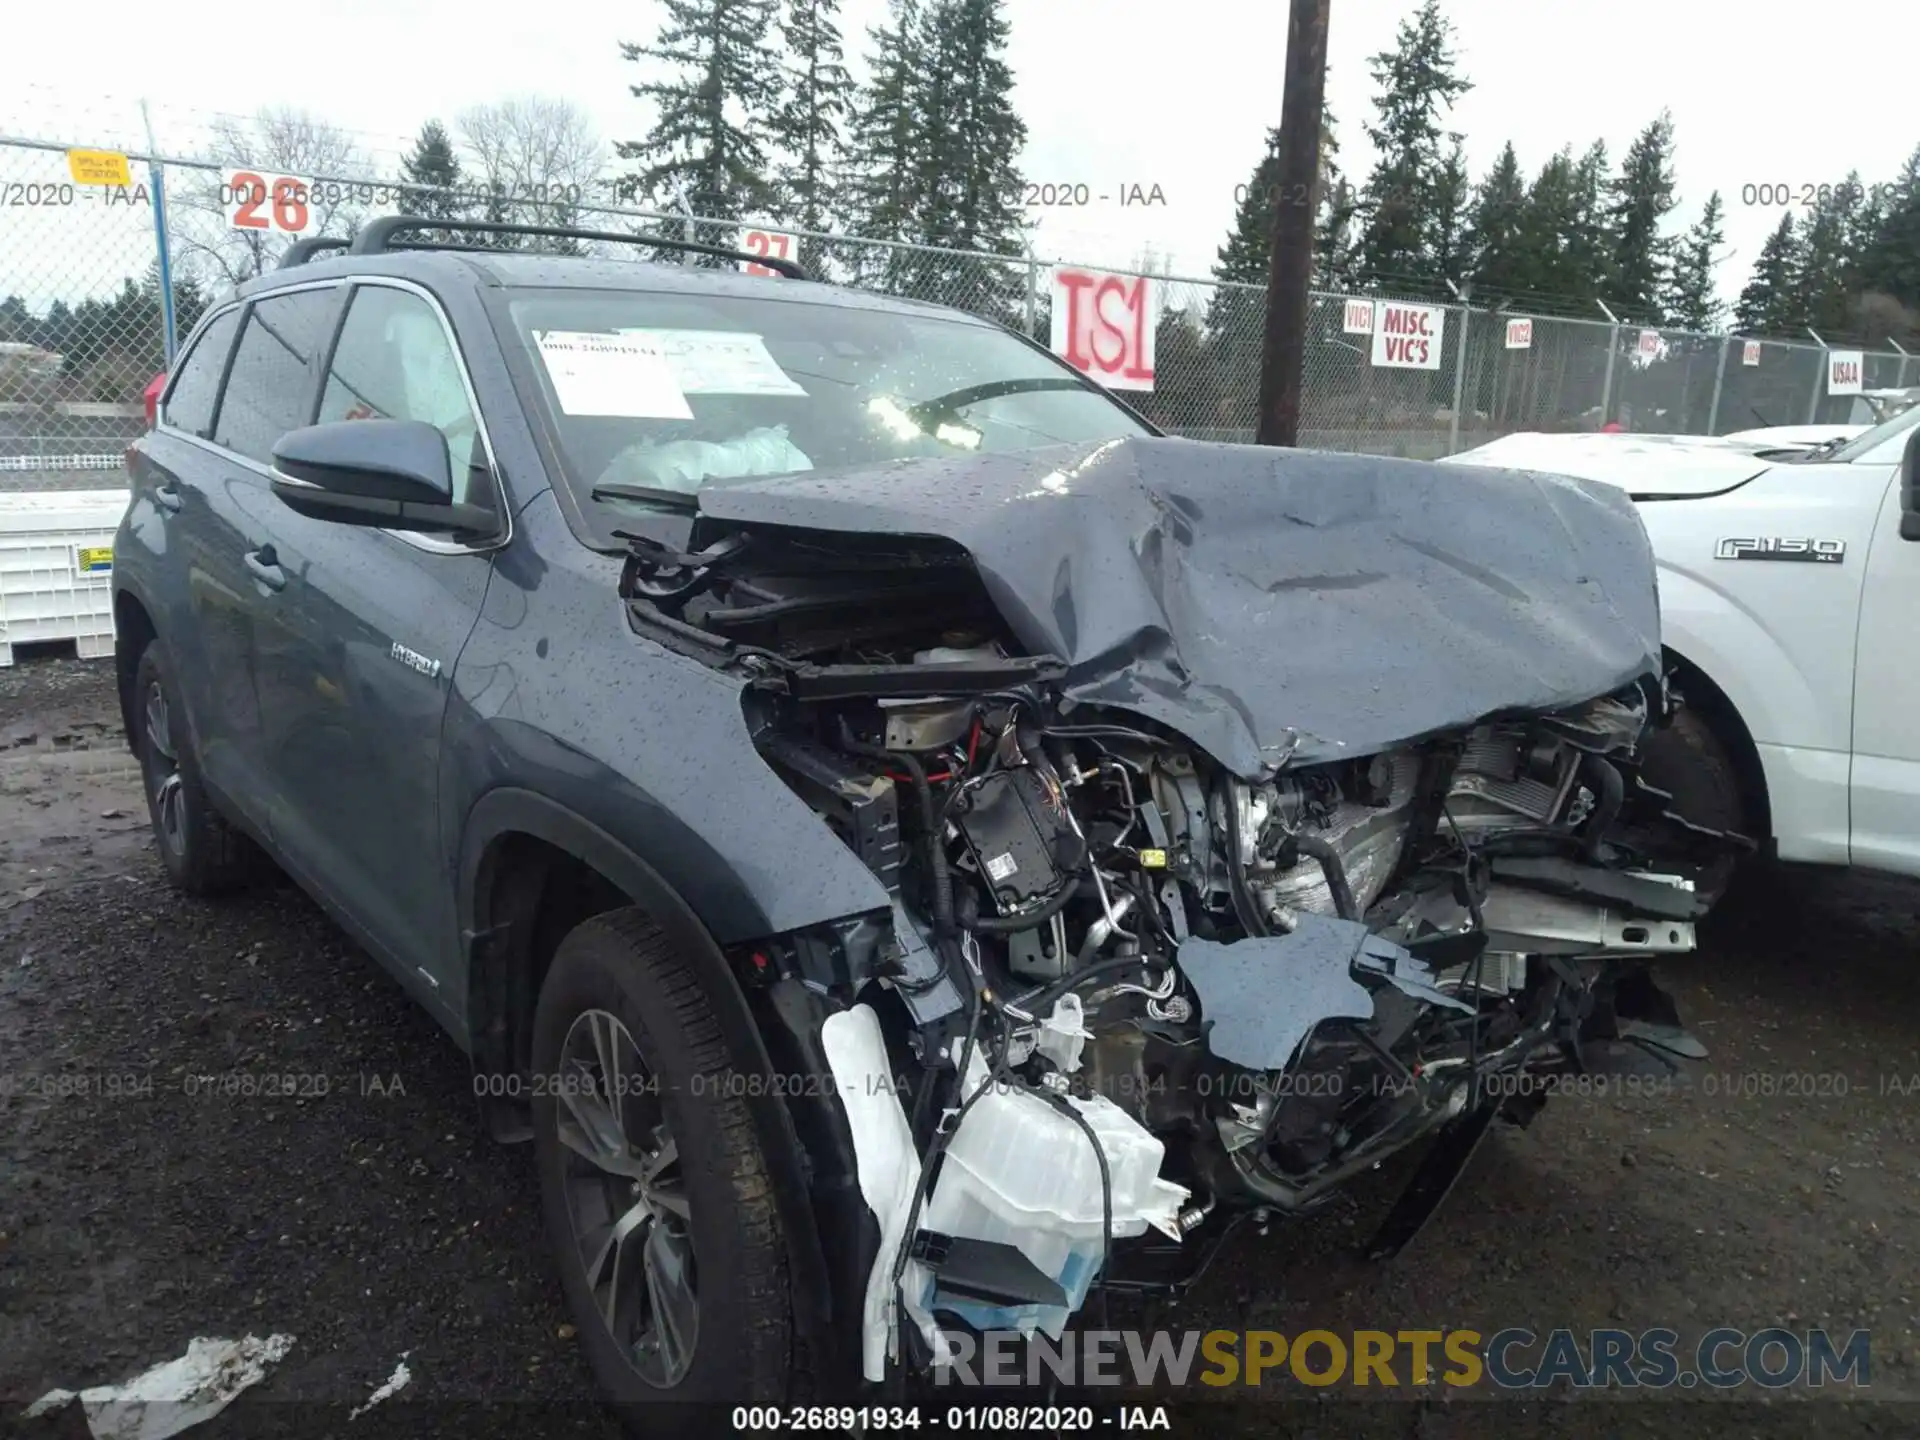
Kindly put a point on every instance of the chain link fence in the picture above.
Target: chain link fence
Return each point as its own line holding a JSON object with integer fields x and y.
{"x": 89, "y": 272}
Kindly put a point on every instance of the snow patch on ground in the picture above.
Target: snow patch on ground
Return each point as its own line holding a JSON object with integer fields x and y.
{"x": 396, "y": 1382}
{"x": 174, "y": 1395}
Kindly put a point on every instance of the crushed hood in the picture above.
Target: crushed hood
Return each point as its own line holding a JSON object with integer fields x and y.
{"x": 1271, "y": 604}
{"x": 1651, "y": 467}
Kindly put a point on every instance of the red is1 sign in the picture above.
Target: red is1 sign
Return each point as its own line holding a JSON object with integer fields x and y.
{"x": 1844, "y": 370}
{"x": 266, "y": 203}
{"x": 1407, "y": 337}
{"x": 1358, "y": 318}
{"x": 1103, "y": 326}
{"x": 777, "y": 243}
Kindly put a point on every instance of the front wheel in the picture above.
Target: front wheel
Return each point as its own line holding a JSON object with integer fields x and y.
{"x": 658, "y": 1200}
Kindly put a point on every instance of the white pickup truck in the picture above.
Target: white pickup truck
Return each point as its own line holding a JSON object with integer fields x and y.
{"x": 1790, "y": 609}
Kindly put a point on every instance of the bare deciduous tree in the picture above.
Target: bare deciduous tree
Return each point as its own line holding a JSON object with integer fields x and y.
{"x": 535, "y": 159}
{"x": 277, "y": 140}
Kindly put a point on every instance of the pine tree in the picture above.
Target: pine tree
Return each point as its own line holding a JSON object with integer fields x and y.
{"x": 934, "y": 156}
{"x": 1236, "y": 308}
{"x": 1823, "y": 266}
{"x": 1544, "y": 261}
{"x": 1246, "y": 257}
{"x": 1333, "y": 236}
{"x": 1641, "y": 199}
{"x": 977, "y": 198}
{"x": 710, "y": 137}
{"x": 1448, "y": 240}
{"x": 1692, "y": 300}
{"x": 1418, "y": 83}
{"x": 432, "y": 162}
{"x": 808, "y": 126}
{"x": 1494, "y": 259}
{"x": 1768, "y": 303}
{"x": 1589, "y": 243}
{"x": 880, "y": 183}
{"x": 1890, "y": 264}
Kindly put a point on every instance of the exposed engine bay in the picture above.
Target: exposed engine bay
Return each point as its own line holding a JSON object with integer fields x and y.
{"x": 1124, "y": 988}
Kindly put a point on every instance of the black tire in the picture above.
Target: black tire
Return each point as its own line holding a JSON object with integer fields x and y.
{"x": 203, "y": 853}
{"x": 1690, "y": 762}
{"x": 620, "y": 965}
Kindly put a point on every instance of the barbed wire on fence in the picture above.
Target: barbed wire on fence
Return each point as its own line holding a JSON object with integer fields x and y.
{"x": 82, "y": 322}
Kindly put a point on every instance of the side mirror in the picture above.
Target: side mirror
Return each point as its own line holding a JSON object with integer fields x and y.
{"x": 1910, "y": 488}
{"x": 392, "y": 474}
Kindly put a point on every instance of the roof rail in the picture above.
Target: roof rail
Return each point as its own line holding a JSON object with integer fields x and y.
{"x": 376, "y": 238}
{"x": 302, "y": 251}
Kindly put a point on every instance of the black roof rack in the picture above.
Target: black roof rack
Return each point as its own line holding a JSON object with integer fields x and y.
{"x": 302, "y": 251}
{"x": 376, "y": 237}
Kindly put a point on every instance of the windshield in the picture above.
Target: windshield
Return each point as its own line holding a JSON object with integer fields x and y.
{"x": 655, "y": 396}
{"x": 1864, "y": 444}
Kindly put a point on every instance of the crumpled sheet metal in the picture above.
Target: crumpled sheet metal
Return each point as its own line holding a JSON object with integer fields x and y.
{"x": 1272, "y": 605}
{"x": 1261, "y": 997}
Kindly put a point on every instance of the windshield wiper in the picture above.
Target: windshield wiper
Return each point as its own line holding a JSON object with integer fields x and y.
{"x": 949, "y": 406}
{"x": 684, "y": 501}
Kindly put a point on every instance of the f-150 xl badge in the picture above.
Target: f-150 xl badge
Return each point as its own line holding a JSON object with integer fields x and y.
{"x": 1773, "y": 547}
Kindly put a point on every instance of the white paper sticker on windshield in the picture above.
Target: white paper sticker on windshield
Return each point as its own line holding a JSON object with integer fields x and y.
{"x": 600, "y": 374}
{"x": 719, "y": 362}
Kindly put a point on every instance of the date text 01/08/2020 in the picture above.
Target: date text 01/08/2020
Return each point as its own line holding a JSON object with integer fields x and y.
{"x": 978, "y": 1419}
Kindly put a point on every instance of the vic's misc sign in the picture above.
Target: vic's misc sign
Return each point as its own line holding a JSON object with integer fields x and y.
{"x": 1408, "y": 337}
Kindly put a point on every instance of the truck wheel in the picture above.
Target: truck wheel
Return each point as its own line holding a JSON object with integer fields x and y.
{"x": 658, "y": 1200}
{"x": 202, "y": 853}
{"x": 1688, "y": 760}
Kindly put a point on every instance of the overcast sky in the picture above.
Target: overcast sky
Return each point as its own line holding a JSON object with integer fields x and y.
{"x": 1114, "y": 93}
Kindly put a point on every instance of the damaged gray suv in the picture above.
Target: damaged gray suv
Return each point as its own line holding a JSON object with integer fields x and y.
{"x": 895, "y": 832}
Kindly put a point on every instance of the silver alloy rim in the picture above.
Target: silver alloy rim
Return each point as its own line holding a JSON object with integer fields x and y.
{"x": 163, "y": 773}
{"x": 626, "y": 1197}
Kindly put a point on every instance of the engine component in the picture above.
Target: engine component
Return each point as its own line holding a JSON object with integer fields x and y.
{"x": 1504, "y": 772}
{"x": 926, "y": 727}
{"x": 1017, "y": 835}
{"x": 1368, "y": 833}
{"x": 861, "y": 806}
{"x": 1248, "y": 991}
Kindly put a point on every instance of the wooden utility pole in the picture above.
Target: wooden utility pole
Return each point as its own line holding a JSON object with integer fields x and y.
{"x": 1290, "y": 276}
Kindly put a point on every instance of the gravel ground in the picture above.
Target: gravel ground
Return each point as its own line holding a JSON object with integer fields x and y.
{"x": 365, "y": 1215}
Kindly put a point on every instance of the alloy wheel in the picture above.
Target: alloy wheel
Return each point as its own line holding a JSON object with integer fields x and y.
{"x": 627, "y": 1199}
{"x": 161, "y": 762}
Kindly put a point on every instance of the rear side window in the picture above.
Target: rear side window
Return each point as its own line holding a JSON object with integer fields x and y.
{"x": 190, "y": 402}
{"x": 266, "y": 393}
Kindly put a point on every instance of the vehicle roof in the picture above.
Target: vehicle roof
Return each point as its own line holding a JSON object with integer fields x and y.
{"x": 508, "y": 270}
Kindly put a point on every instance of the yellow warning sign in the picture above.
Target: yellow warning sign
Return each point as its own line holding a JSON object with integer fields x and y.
{"x": 99, "y": 167}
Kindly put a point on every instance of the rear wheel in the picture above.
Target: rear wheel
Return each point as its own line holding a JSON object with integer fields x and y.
{"x": 202, "y": 853}
{"x": 658, "y": 1201}
{"x": 1689, "y": 761}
